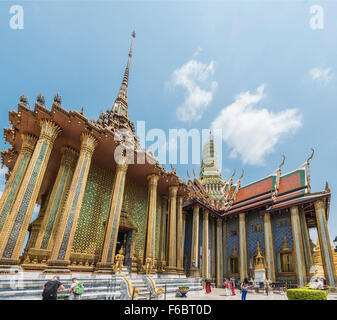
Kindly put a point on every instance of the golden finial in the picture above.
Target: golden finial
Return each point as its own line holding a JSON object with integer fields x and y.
{"x": 172, "y": 169}
{"x": 194, "y": 174}
{"x": 234, "y": 172}
{"x": 282, "y": 163}
{"x": 312, "y": 154}
{"x": 327, "y": 189}
{"x": 188, "y": 175}
{"x": 243, "y": 171}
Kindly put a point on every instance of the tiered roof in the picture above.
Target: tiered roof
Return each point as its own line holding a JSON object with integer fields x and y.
{"x": 272, "y": 193}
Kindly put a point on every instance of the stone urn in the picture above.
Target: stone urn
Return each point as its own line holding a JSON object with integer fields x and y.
{"x": 183, "y": 291}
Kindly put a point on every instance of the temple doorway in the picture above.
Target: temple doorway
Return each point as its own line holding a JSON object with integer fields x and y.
{"x": 121, "y": 240}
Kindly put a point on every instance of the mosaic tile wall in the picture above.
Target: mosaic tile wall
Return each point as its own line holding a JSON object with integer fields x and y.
{"x": 188, "y": 241}
{"x": 200, "y": 237}
{"x": 210, "y": 245}
{"x": 136, "y": 204}
{"x": 279, "y": 232}
{"x": 232, "y": 224}
{"x": 89, "y": 234}
{"x": 253, "y": 219}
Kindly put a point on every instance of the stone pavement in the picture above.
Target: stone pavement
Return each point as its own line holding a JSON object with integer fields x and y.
{"x": 219, "y": 294}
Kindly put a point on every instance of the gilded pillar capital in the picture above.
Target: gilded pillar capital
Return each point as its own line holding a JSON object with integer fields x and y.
{"x": 28, "y": 143}
{"x": 242, "y": 216}
{"x": 69, "y": 155}
{"x": 88, "y": 143}
{"x": 180, "y": 200}
{"x": 121, "y": 167}
{"x": 49, "y": 130}
{"x": 173, "y": 191}
{"x": 319, "y": 205}
{"x": 219, "y": 222}
{"x": 196, "y": 209}
{"x": 153, "y": 179}
{"x": 205, "y": 214}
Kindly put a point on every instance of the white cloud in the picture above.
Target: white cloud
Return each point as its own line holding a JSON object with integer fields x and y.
{"x": 320, "y": 75}
{"x": 194, "y": 76}
{"x": 253, "y": 133}
{"x": 3, "y": 172}
{"x": 199, "y": 49}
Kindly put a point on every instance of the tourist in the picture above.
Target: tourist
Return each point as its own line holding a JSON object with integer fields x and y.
{"x": 244, "y": 289}
{"x": 51, "y": 287}
{"x": 76, "y": 290}
{"x": 208, "y": 286}
{"x": 228, "y": 287}
{"x": 232, "y": 281}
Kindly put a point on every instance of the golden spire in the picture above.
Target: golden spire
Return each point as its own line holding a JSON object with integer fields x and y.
{"x": 121, "y": 103}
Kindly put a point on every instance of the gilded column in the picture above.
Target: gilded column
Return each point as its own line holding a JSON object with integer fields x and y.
{"x": 16, "y": 226}
{"x": 268, "y": 240}
{"x": 298, "y": 246}
{"x": 172, "y": 244}
{"x": 194, "y": 269}
{"x": 243, "y": 247}
{"x": 151, "y": 216}
{"x": 325, "y": 244}
{"x": 224, "y": 243}
{"x": 205, "y": 255}
{"x": 162, "y": 240}
{"x": 219, "y": 255}
{"x": 112, "y": 224}
{"x": 60, "y": 254}
{"x": 16, "y": 176}
{"x": 57, "y": 199}
{"x": 306, "y": 241}
{"x": 180, "y": 268}
{"x": 183, "y": 242}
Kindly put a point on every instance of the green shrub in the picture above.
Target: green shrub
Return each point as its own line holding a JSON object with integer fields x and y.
{"x": 306, "y": 293}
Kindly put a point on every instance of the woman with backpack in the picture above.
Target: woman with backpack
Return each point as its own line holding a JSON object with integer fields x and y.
{"x": 76, "y": 290}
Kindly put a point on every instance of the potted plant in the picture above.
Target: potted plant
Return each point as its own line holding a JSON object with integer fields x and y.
{"x": 63, "y": 297}
{"x": 183, "y": 291}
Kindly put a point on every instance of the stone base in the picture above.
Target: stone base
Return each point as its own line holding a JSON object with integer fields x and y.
{"x": 57, "y": 266}
{"x": 259, "y": 275}
{"x": 180, "y": 271}
{"x": 34, "y": 267}
{"x": 104, "y": 268}
{"x": 194, "y": 273}
{"x": 9, "y": 262}
{"x": 171, "y": 270}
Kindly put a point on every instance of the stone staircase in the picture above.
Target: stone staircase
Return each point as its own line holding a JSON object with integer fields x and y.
{"x": 30, "y": 288}
{"x": 144, "y": 290}
{"x": 96, "y": 287}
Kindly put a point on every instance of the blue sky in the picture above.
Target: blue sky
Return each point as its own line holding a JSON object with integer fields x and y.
{"x": 255, "y": 68}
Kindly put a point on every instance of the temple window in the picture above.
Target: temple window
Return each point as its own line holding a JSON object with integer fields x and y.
{"x": 257, "y": 227}
{"x": 285, "y": 257}
{"x": 234, "y": 265}
{"x": 286, "y": 263}
{"x": 233, "y": 232}
{"x": 283, "y": 223}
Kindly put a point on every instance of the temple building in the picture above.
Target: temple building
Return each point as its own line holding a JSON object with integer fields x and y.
{"x": 98, "y": 211}
{"x": 228, "y": 225}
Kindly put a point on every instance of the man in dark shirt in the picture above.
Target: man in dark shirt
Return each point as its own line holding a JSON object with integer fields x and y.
{"x": 51, "y": 287}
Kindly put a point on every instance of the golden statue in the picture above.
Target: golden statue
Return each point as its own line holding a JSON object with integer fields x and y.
{"x": 148, "y": 265}
{"x": 259, "y": 265}
{"x": 119, "y": 260}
